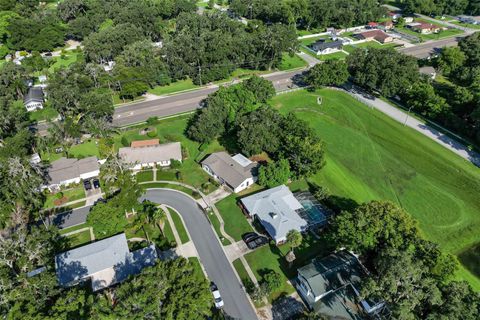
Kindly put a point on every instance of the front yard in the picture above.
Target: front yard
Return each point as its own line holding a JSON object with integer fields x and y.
{"x": 68, "y": 195}
{"x": 236, "y": 223}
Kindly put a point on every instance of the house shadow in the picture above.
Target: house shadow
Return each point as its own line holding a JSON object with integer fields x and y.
{"x": 286, "y": 308}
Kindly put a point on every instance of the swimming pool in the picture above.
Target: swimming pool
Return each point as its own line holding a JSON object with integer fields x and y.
{"x": 313, "y": 213}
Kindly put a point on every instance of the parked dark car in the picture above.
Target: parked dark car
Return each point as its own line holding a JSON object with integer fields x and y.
{"x": 87, "y": 185}
{"x": 257, "y": 242}
{"x": 96, "y": 183}
{"x": 249, "y": 236}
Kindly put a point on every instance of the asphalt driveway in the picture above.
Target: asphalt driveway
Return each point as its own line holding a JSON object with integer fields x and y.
{"x": 211, "y": 253}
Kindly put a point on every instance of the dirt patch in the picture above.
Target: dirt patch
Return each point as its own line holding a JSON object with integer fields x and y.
{"x": 59, "y": 202}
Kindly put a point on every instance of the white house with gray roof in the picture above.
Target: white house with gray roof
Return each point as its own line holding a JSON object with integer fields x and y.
{"x": 237, "y": 172}
{"x": 150, "y": 155}
{"x": 65, "y": 171}
{"x": 104, "y": 262}
{"x": 277, "y": 210}
{"x": 34, "y": 99}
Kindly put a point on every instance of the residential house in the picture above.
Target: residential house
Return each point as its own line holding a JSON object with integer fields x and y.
{"x": 324, "y": 47}
{"x": 428, "y": 71}
{"x": 377, "y": 35}
{"x": 394, "y": 15}
{"x": 469, "y": 19}
{"x": 237, "y": 172}
{"x": 425, "y": 28}
{"x": 34, "y": 99}
{"x": 330, "y": 286}
{"x": 372, "y": 25}
{"x": 105, "y": 263}
{"x": 386, "y": 25}
{"x": 149, "y": 153}
{"x": 277, "y": 210}
{"x": 64, "y": 171}
{"x": 408, "y": 19}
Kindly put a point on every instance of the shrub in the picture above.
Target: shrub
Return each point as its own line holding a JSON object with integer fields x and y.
{"x": 175, "y": 164}
{"x": 179, "y": 175}
{"x": 152, "y": 133}
{"x": 124, "y": 141}
{"x": 272, "y": 280}
{"x": 59, "y": 195}
{"x": 152, "y": 120}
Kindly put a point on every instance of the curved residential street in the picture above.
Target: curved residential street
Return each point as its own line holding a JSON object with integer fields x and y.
{"x": 211, "y": 254}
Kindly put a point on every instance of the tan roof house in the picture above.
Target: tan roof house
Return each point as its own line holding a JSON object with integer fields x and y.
{"x": 65, "y": 171}
{"x": 377, "y": 35}
{"x": 237, "y": 172}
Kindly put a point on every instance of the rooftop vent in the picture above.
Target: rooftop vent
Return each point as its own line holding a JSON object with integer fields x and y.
{"x": 273, "y": 215}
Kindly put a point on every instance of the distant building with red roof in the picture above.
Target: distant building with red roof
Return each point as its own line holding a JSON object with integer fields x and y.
{"x": 377, "y": 35}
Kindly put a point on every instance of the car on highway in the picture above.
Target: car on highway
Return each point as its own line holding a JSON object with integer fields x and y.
{"x": 257, "y": 242}
{"x": 216, "y": 296}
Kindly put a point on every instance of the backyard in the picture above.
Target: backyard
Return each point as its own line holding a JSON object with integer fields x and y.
{"x": 370, "y": 156}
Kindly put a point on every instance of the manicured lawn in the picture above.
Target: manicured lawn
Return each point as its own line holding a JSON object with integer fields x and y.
{"x": 236, "y": 223}
{"x": 85, "y": 149}
{"x": 216, "y": 225}
{"x": 177, "y": 86}
{"x": 152, "y": 232}
{"x": 69, "y": 195}
{"x": 301, "y": 33}
{"x": 370, "y": 156}
{"x": 79, "y": 239}
{"x": 433, "y": 36}
{"x": 167, "y": 230}
{"x": 311, "y": 40}
{"x": 333, "y": 56}
{"x": 165, "y": 174}
{"x": 289, "y": 62}
{"x": 143, "y": 176}
{"x": 177, "y": 221}
{"x": 44, "y": 114}
{"x": 71, "y": 56}
{"x": 369, "y": 44}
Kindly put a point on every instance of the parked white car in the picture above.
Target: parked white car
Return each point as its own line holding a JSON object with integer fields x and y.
{"x": 216, "y": 295}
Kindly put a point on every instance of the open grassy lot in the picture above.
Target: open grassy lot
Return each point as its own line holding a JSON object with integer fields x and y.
{"x": 85, "y": 149}
{"x": 370, "y": 156}
{"x": 236, "y": 223}
{"x": 69, "y": 57}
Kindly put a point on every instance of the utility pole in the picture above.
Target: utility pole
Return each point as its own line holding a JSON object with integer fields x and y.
{"x": 406, "y": 118}
{"x": 200, "y": 74}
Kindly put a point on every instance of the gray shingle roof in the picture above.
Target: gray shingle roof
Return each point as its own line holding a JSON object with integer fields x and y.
{"x": 322, "y": 45}
{"x": 35, "y": 94}
{"x": 65, "y": 169}
{"x": 149, "y": 154}
{"x": 276, "y": 208}
{"x": 332, "y": 272}
{"x": 233, "y": 170}
{"x": 106, "y": 261}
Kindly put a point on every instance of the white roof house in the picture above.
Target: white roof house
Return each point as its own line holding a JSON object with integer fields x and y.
{"x": 276, "y": 209}
{"x": 104, "y": 262}
{"x": 237, "y": 172}
{"x": 149, "y": 155}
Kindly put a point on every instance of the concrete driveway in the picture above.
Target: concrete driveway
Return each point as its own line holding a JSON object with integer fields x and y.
{"x": 211, "y": 254}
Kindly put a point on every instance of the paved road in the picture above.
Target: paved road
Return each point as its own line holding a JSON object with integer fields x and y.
{"x": 211, "y": 253}
{"x": 70, "y": 218}
{"x": 426, "y": 49}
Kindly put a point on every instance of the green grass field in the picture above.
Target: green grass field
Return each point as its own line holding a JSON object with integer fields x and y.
{"x": 370, "y": 156}
{"x": 71, "y": 56}
{"x": 144, "y": 176}
{"x": 79, "y": 239}
{"x": 434, "y": 36}
{"x": 180, "y": 85}
{"x": 236, "y": 223}
{"x": 289, "y": 63}
{"x": 44, "y": 114}
{"x": 182, "y": 232}
{"x": 369, "y": 44}
{"x": 216, "y": 225}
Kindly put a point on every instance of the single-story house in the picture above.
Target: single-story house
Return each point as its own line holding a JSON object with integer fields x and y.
{"x": 149, "y": 153}
{"x": 428, "y": 71}
{"x": 330, "y": 286}
{"x": 387, "y": 25}
{"x": 424, "y": 28}
{"x": 237, "y": 172}
{"x": 372, "y": 25}
{"x": 377, "y": 35}
{"x": 469, "y": 19}
{"x": 104, "y": 262}
{"x": 64, "y": 171}
{"x": 34, "y": 99}
{"x": 323, "y": 47}
{"x": 277, "y": 210}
